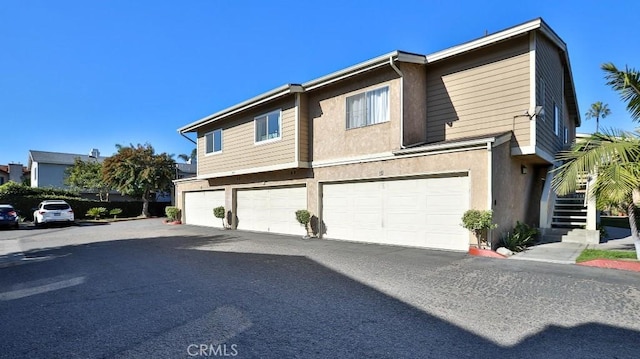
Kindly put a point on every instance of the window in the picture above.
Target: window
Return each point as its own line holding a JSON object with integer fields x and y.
{"x": 556, "y": 119}
{"x": 267, "y": 127}
{"x": 566, "y": 135}
{"x": 368, "y": 108}
{"x": 213, "y": 141}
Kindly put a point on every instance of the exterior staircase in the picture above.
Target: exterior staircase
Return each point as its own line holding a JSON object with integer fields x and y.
{"x": 570, "y": 217}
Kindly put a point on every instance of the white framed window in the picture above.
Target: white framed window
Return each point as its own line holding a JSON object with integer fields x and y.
{"x": 267, "y": 127}
{"x": 213, "y": 142}
{"x": 368, "y": 108}
{"x": 566, "y": 135}
{"x": 556, "y": 119}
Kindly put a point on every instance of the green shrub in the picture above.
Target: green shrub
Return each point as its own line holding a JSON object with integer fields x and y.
{"x": 520, "y": 238}
{"x": 219, "y": 212}
{"x": 115, "y": 212}
{"x": 478, "y": 222}
{"x": 96, "y": 212}
{"x": 303, "y": 217}
{"x": 173, "y": 213}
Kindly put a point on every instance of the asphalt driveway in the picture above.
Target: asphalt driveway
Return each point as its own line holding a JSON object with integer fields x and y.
{"x": 144, "y": 289}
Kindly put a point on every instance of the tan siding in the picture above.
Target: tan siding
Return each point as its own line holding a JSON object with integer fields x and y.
{"x": 550, "y": 70}
{"x": 480, "y": 93}
{"x": 327, "y": 112}
{"x": 239, "y": 152}
{"x": 414, "y": 103}
{"x": 304, "y": 129}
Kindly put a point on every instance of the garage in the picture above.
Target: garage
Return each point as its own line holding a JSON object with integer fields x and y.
{"x": 198, "y": 208}
{"x": 271, "y": 210}
{"x": 420, "y": 212}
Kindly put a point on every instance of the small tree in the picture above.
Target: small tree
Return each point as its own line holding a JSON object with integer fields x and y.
{"x": 219, "y": 212}
{"x": 96, "y": 212}
{"x": 478, "y": 222}
{"x": 303, "y": 217}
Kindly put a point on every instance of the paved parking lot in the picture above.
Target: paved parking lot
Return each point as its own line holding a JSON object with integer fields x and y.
{"x": 145, "y": 289}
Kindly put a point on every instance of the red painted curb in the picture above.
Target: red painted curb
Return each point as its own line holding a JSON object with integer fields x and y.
{"x": 485, "y": 253}
{"x": 613, "y": 264}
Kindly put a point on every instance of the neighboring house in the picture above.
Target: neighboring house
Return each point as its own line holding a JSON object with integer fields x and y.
{"x": 48, "y": 168}
{"x": 15, "y": 172}
{"x": 183, "y": 170}
{"x": 395, "y": 149}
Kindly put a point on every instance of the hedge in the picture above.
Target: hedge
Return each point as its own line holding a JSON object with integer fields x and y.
{"x": 24, "y": 199}
{"x": 26, "y": 204}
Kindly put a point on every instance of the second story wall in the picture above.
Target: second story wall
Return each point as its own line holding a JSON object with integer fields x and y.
{"x": 480, "y": 92}
{"x": 240, "y": 151}
{"x": 328, "y": 115}
{"x": 550, "y": 94}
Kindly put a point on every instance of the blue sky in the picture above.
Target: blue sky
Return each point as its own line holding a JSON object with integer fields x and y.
{"x": 76, "y": 75}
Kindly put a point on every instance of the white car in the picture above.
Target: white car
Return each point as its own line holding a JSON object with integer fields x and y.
{"x": 53, "y": 211}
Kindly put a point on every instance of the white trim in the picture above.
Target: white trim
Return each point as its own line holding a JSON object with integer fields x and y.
{"x": 531, "y": 150}
{"x": 393, "y": 156}
{"x": 374, "y": 63}
{"x": 244, "y": 105}
{"x": 427, "y": 148}
{"x": 266, "y": 116}
{"x": 351, "y": 160}
{"x": 533, "y": 43}
{"x": 486, "y": 40}
{"x": 296, "y": 128}
{"x": 245, "y": 171}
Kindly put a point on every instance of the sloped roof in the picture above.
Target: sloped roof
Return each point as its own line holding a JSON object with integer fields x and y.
{"x": 58, "y": 158}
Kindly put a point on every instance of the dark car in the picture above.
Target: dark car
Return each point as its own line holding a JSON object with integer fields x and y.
{"x": 8, "y": 216}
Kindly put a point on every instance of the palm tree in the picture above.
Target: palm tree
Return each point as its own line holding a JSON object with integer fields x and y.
{"x": 192, "y": 156}
{"x": 598, "y": 110}
{"x": 627, "y": 83}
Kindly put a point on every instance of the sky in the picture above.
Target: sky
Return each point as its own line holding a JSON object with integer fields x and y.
{"x": 77, "y": 75}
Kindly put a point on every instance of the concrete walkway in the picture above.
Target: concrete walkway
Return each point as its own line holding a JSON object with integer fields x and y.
{"x": 566, "y": 253}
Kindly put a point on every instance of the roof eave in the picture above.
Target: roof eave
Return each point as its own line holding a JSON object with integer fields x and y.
{"x": 252, "y": 102}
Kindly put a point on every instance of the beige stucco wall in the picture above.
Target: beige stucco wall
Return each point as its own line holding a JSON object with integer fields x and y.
{"x": 516, "y": 196}
{"x": 414, "y": 100}
{"x": 239, "y": 150}
{"x": 480, "y": 93}
{"x": 474, "y": 162}
{"x": 327, "y": 113}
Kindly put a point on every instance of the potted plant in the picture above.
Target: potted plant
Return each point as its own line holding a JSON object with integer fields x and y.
{"x": 479, "y": 223}
{"x": 303, "y": 217}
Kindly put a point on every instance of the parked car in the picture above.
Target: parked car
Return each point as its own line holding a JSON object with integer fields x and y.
{"x": 53, "y": 211}
{"x": 9, "y": 216}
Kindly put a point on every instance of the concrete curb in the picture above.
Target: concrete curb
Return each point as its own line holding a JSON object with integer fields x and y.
{"x": 633, "y": 266}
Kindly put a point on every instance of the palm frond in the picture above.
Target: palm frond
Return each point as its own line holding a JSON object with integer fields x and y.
{"x": 627, "y": 83}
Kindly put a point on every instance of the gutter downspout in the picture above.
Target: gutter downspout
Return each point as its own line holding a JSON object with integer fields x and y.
{"x": 397, "y": 70}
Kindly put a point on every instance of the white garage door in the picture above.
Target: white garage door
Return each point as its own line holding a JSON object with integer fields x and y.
{"x": 423, "y": 212}
{"x": 271, "y": 210}
{"x": 198, "y": 208}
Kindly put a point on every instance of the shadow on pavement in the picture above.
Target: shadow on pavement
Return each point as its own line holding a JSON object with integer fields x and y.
{"x": 155, "y": 298}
